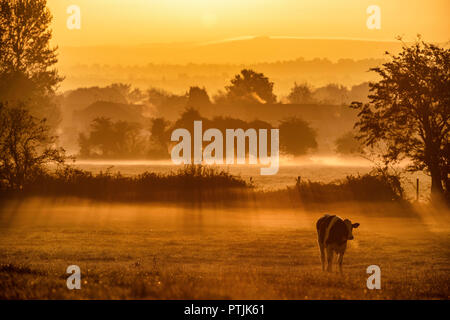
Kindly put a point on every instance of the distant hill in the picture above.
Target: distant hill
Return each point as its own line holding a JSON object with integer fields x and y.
{"x": 249, "y": 50}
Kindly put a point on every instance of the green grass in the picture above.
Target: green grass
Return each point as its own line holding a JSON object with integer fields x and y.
{"x": 150, "y": 252}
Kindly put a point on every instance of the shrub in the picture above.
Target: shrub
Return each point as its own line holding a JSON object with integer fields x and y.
{"x": 378, "y": 185}
{"x": 193, "y": 182}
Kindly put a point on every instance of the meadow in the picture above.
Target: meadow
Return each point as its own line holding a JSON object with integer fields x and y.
{"x": 162, "y": 251}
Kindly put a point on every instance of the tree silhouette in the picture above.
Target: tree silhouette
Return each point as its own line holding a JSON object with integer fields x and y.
{"x": 27, "y": 76}
{"x": 332, "y": 94}
{"x": 250, "y": 86}
{"x": 159, "y": 138}
{"x": 109, "y": 139}
{"x": 25, "y": 147}
{"x": 409, "y": 111}
{"x": 348, "y": 144}
{"x": 301, "y": 94}
{"x": 198, "y": 97}
{"x": 296, "y": 136}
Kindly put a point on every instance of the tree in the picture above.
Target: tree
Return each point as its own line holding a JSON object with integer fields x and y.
{"x": 165, "y": 103}
{"x": 27, "y": 76}
{"x": 409, "y": 111}
{"x": 25, "y": 147}
{"x": 359, "y": 92}
{"x": 332, "y": 94}
{"x": 198, "y": 97}
{"x": 159, "y": 138}
{"x": 108, "y": 139}
{"x": 250, "y": 86}
{"x": 296, "y": 136}
{"x": 301, "y": 94}
{"x": 348, "y": 144}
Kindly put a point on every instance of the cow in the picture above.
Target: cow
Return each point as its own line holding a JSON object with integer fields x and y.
{"x": 333, "y": 234}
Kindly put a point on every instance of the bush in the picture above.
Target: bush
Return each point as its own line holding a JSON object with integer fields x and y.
{"x": 193, "y": 182}
{"x": 205, "y": 184}
{"x": 378, "y": 185}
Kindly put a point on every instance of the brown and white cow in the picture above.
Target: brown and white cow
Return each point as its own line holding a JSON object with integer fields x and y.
{"x": 333, "y": 234}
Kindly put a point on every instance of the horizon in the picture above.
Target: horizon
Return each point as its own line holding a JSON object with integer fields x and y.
{"x": 135, "y": 21}
{"x": 249, "y": 37}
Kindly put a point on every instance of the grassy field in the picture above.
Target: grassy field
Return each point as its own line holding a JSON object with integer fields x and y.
{"x": 172, "y": 252}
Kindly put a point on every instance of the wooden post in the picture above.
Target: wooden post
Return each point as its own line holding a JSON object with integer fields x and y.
{"x": 417, "y": 189}
{"x": 299, "y": 179}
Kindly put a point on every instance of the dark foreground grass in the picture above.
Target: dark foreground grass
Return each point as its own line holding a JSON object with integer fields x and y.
{"x": 149, "y": 252}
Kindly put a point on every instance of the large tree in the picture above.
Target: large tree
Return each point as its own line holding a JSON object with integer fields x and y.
{"x": 250, "y": 86}
{"x": 198, "y": 97}
{"x": 296, "y": 136}
{"x": 27, "y": 73}
{"x": 408, "y": 113}
{"x": 109, "y": 139}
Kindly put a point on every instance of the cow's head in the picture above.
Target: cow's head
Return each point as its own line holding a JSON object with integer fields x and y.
{"x": 350, "y": 227}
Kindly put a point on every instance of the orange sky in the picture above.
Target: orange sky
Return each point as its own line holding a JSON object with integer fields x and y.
{"x": 145, "y": 21}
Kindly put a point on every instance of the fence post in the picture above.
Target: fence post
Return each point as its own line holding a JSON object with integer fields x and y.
{"x": 299, "y": 179}
{"x": 417, "y": 189}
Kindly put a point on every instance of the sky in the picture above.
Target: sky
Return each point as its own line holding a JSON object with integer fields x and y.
{"x": 135, "y": 22}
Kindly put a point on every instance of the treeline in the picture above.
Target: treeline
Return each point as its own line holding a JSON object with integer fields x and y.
{"x": 131, "y": 118}
{"x": 27, "y": 150}
{"x": 204, "y": 184}
{"x": 122, "y": 139}
{"x": 187, "y": 184}
{"x": 246, "y": 88}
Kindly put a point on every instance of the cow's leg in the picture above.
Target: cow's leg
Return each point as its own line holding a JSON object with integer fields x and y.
{"x": 330, "y": 259}
{"x": 341, "y": 257}
{"x": 322, "y": 255}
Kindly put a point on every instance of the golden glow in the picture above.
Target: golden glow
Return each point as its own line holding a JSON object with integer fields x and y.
{"x": 148, "y": 21}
